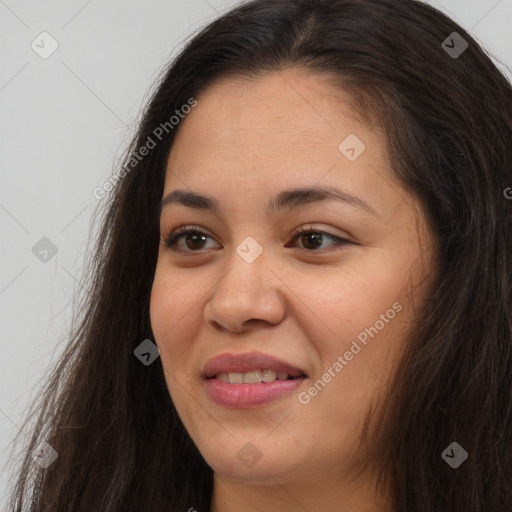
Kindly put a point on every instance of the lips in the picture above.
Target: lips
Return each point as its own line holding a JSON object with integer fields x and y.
{"x": 232, "y": 380}
{"x": 248, "y": 362}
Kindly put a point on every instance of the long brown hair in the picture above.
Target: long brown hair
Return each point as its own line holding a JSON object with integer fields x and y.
{"x": 121, "y": 445}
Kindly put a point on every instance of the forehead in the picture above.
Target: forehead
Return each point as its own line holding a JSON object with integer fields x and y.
{"x": 275, "y": 106}
{"x": 285, "y": 125}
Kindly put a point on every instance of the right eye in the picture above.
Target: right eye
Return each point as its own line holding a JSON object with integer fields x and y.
{"x": 196, "y": 237}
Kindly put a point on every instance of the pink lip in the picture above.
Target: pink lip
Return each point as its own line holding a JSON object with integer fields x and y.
{"x": 250, "y": 361}
{"x": 248, "y": 396}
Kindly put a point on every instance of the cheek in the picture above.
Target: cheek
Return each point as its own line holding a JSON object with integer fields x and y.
{"x": 176, "y": 314}
{"x": 168, "y": 304}
{"x": 338, "y": 305}
{"x": 172, "y": 297}
{"x": 161, "y": 315}
{"x": 166, "y": 310}
{"x": 359, "y": 314}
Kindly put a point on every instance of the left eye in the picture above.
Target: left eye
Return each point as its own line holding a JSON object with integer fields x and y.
{"x": 195, "y": 237}
{"x": 316, "y": 235}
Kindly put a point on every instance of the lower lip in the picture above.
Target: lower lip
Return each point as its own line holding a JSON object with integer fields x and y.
{"x": 247, "y": 396}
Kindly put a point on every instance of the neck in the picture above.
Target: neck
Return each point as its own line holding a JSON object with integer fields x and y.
{"x": 232, "y": 495}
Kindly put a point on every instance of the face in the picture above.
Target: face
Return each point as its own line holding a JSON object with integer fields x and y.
{"x": 330, "y": 307}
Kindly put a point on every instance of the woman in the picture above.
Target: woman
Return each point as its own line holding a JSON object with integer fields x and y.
{"x": 267, "y": 370}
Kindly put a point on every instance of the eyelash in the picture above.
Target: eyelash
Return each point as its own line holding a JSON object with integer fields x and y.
{"x": 171, "y": 239}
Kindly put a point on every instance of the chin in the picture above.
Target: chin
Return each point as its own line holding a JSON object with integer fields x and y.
{"x": 244, "y": 461}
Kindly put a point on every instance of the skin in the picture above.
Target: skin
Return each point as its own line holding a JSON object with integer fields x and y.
{"x": 244, "y": 142}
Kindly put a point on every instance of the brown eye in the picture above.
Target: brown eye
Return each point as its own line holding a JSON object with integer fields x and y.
{"x": 312, "y": 239}
{"x": 194, "y": 239}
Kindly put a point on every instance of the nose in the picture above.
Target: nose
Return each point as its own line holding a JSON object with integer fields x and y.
{"x": 248, "y": 295}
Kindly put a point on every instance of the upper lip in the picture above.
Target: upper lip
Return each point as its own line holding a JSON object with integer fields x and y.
{"x": 249, "y": 361}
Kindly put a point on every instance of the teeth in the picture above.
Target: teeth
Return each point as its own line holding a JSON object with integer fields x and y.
{"x": 253, "y": 377}
{"x": 268, "y": 375}
{"x": 235, "y": 378}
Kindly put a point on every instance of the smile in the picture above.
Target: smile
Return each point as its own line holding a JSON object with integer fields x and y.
{"x": 248, "y": 380}
{"x": 253, "y": 377}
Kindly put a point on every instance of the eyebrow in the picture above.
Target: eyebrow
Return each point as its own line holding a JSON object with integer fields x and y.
{"x": 287, "y": 199}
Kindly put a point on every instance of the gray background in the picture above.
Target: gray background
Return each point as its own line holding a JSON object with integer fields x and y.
{"x": 64, "y": 121}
